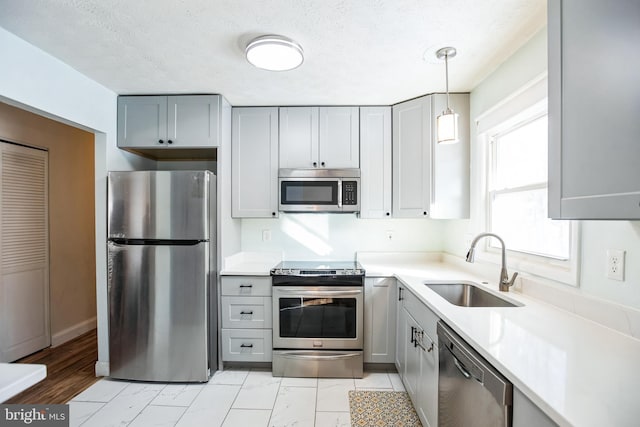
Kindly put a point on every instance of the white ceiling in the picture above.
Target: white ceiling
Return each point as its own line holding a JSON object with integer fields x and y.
{"x": 357, "y": 52}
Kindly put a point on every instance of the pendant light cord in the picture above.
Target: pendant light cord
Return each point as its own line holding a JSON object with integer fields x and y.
{"x": 446, "y": 68}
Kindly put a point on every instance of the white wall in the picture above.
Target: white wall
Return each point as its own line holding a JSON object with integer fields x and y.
{"x": 339, "y": 236}
{"x": 597, "y": 236}
{"x": 35, "y": 81}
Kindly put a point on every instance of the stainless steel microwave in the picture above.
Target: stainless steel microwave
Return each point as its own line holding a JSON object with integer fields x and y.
{"x": 319, "y": 190}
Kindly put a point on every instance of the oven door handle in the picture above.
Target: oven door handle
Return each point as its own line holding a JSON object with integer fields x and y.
{"x": 318, "y": 294}
{"x": 339, "y": 356}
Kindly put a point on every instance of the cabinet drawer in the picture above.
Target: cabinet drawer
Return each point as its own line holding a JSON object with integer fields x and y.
{"x": 246, "y": 286}
{"x": 246, "y": 345}
{"x": 423, "y": 315}
{"x": 246, "y": 312}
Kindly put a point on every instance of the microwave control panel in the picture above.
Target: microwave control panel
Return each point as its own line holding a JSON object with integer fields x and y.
{"x": 349, "y": 193}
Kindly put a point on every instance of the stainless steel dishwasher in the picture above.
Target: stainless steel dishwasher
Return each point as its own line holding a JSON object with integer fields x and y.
{"x": 471, "y": 392}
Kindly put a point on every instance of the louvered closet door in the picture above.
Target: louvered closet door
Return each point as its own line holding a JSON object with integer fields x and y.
{"x": 24, "y": 253}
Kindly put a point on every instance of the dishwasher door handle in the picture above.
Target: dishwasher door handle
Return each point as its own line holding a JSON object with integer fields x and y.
{"x": 461, "y": 367}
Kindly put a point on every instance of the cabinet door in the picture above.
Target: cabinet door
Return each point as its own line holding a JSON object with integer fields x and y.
{"x": 427, "y": 398}
{"x": 339, "y": 137}
{"x": 412, "y": 158}
{"x": 298, "y": 137}
{"x": 380, "y": 320}
{"x": 594, "y": 109}
{"x": 254, "y": 157}
{"x": 411, "y": 375}
{"x": 401, "y": 323}
{"x": 450, "y": 174}
{"x": 142, "y": 121}
{"x": 193, "y": 121}
{"x": 375, "y": 162}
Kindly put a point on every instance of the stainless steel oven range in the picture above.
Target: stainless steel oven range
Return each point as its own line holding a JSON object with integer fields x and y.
{"x": 318, "y": 319}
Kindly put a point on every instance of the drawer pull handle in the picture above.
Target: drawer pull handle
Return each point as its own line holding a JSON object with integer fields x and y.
{"x": 247, "y": 312}
{"x": 246, "y": 286}
{"x": 246, "y": 345}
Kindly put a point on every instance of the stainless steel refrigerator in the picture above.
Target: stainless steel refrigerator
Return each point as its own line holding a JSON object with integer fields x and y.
{"x": 162, "y": 275}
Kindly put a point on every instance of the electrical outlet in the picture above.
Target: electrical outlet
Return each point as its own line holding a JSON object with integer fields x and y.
{"x": 615, "y": 264}
{"x": 389, "y": 234}
{"x": 266, "y": 235}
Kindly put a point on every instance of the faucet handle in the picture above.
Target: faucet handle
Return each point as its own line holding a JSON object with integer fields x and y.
{"x": 513, "y": 279}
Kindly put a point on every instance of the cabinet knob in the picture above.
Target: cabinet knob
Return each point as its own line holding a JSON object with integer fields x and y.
{"x": 424, "y": 213}
{"x": 169, "y": 141}
{"x": 315, "y": 164}
{"x": 273, "y": 214}
{"x": 388, "y": 214}
{"x": 322, "y": 164}
{"x": 160, "y": 141}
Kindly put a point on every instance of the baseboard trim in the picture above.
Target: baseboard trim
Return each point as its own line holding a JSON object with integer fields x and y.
{"x": 102, "y": 369}
{"x": 73, "y": 332}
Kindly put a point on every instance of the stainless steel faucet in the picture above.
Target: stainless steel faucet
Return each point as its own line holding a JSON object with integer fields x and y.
{"x": 505, "y": 283}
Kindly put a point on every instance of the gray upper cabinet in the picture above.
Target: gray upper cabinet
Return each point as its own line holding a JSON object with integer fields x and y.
{"x": 168, "y": 122}
{"x": 319, "y": 137}
{"x": 594, "y": 109}
{"x": 375, "y": 162}
{"x": 254, "y": 157}
{"x": 412, "y": 158}
{"x": 430, "y": 179}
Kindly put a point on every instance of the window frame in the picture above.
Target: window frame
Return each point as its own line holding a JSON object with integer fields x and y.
{"x": 510, "y": 115}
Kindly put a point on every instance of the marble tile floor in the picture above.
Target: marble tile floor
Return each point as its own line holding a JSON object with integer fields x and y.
{"x": 232, "y": 398}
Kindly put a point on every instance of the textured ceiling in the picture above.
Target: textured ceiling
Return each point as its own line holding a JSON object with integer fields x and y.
{"x": 358, "y": 52}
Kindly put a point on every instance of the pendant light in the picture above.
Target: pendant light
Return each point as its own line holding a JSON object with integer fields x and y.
{"x": 447, "y": 122}
{"x": 274, "y": 53}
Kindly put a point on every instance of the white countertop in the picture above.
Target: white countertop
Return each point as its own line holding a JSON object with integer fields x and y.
{"x": 578, "y": 372}
{"x": 250, "y": 263}
{"x": 17, "y": 377}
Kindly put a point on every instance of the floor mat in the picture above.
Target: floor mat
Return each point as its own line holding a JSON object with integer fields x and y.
{"x": 382, "y": 408}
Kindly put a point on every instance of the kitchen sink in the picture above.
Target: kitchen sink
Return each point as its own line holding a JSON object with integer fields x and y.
{"x": 468, "y": 295}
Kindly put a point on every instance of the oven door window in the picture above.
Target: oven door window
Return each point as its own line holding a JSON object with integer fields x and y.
{"x": 316, "y": 317}
{"x": 309, "y": 192}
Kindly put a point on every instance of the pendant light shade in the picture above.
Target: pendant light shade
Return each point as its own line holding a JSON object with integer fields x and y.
{"x": 447, "y": 127}
{"x": 447, "y": 122}
{"x": 274, "y": 53}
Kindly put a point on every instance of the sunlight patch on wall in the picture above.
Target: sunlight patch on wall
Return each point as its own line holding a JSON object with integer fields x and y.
{"x": 311, "y": 231}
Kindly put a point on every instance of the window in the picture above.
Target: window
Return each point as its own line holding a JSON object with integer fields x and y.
{"x": 511, "y": 175}
{"x": 517, "y": 196}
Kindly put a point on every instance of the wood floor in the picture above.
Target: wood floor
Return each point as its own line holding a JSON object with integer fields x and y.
{"x": 70, "y": 370}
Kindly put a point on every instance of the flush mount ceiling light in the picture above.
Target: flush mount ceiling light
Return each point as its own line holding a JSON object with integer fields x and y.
{"x": 447, "y": 122}
{"x": 274, "y": 53}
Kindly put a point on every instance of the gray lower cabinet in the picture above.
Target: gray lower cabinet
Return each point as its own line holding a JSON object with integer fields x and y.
{"x": 175, "y": 122}
{"x": 417, "y": 355}
{"x": 594, "y": 88}
{"x": 246, "y": 307}
{"x": 527, "y": 414}
{"x": 379, "y": 320}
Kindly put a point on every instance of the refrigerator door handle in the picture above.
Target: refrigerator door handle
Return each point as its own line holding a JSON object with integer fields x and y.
{"x": 156, "y": 242}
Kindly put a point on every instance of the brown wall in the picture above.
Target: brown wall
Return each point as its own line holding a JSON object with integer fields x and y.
{"x": 71, "y": 211}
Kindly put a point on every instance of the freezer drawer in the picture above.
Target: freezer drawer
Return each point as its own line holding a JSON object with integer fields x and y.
{"x": 160, "y": 205}
{"x": 159, "y": 312}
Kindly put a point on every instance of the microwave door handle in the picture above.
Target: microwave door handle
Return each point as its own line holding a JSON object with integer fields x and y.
{"x": 339, "y": 193}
